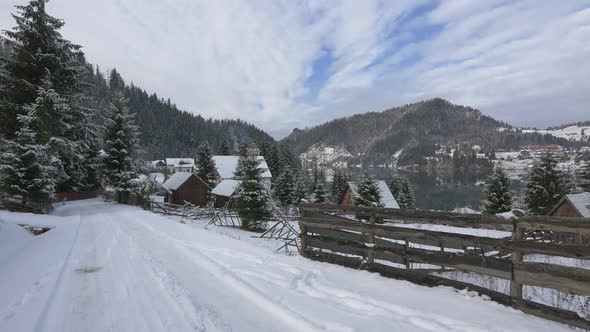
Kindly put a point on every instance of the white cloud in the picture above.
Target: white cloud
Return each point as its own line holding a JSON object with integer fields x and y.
{"x": 522, "y": 61}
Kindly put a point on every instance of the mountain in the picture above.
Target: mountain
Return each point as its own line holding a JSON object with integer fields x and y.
{"x": 411, "y": 133}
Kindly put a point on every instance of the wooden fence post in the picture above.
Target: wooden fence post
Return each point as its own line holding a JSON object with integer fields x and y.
{"x": 371, "y": 240}
{"x": 515, "y": 287}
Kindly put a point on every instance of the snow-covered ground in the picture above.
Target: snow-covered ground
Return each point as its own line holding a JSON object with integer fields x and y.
{"x": 107, "y": 267}
{"x": 572, "y": 133}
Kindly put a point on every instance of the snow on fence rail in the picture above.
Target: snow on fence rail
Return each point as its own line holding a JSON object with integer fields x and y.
{"x": 392, "y": 251}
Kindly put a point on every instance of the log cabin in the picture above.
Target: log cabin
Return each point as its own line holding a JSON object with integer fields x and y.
{"x": 186, "y": 187}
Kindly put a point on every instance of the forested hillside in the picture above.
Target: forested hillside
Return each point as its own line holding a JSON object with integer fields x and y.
{"x": 166, "y": 131}
{"x": 417, "y": 129}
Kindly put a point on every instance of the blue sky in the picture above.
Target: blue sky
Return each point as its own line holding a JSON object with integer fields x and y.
{"x": 282, "y": 64}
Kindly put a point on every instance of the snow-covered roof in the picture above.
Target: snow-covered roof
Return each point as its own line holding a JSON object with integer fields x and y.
{"x": 226, "y": 166}
{"x": 176, "y": 180}
{"x": 180, "y": 162}
{"x": 581, "y": 202}
{"x": 386, "y": 196}
{"x": 158, "y": 177}
{"x": 155, "y": 163}
{"x": 226, "y": 187}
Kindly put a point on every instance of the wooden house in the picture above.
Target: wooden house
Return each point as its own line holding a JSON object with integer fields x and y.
{"x": 224, "y": 191}
{"x": 386, "y": 196}
{"x": 573, "y": 205}
{"x": 175, "y": 165}
{"x": 186, "y": 187}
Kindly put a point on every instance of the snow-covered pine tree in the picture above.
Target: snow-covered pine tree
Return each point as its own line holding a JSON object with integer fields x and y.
{"x": 497, "y": 196}
{"x": 402, "y": 191}
{"x": 120, "y": 146}
{"x": 26, "y": 168}
{"x": 284, "y": 187}
{"x": 251, "y": 196}
{"x": 206, "y": 169}
{"x": 44, "y": 65}
{"x": 301, "y": 188}
{"x": 339, "y": 182}
{"x": 367, "y": 192}
{"x": 38, "y": 53}
{"x": 546, "y": 185}
{"x": 409, "y": 197}
{"x": 223, "y": 148}
{"x": 319, "y": 195}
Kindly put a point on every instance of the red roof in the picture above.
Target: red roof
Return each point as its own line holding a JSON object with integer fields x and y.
{"x": 544, "y": 148}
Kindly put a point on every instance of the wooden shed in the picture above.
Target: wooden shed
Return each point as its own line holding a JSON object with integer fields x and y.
{"x": 573, "y": 205}
{"x": 186, "y": 187}
{"x": 224, "y": 191}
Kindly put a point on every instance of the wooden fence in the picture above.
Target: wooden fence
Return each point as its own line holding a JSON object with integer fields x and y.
{"x": 392, "y": 251}
{"x": 187, "y": 211}
{"x": 16, "y": 204}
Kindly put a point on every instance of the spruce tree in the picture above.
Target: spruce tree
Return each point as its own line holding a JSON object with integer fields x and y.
{"x": 497, "y": 195}
{"x": 119, "y": 164}
{"x": 301, "y": 188}
{"x": 402, "y": 191}
{"x": 206, "y": 169}
{"x": 320, "y": 193}
{"x": 45, "y": 69}
{"x": 26, "y": 168}
{"x": 251, "y": 196}
{"x": 284, "y": 187}
{"x": 339, "y": 183}
{"x": 367, "y": 192}
{"x": 409, "y": 197}
{"x": 546, "y": 185}
{"x": 223, "y": 148}
{"x": 38, "y": 53}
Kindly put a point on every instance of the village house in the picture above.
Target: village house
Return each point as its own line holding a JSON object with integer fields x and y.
{"x": 175, "y": 165}
{"x": 573, "y": 205}
{"x": 157, "y": 164}
{"x": 537, "y": 151}
{"x": 386, "y": 196}
{"x": 185, "y": 187}
{"x": 226, "y": 181}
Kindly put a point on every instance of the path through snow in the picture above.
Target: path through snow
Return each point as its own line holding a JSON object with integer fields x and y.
{"x": 107, "y": 267}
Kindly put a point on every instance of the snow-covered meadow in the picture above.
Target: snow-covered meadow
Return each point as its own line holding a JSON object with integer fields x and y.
{"x": 109, "y": 267}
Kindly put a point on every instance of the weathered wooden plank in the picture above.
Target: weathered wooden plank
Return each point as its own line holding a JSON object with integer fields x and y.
{"x": 401, "y": 233}
{"x": 556, "y": 224}
{"x": 408, "y": 215}
{"x": 563, "y": 278}
{"x": 350, "y": 249}
{"x": 471, "y": 263}
{"x": 344, "y": 235}
{"x": 550, "y": 249}
{"x": 551, "y": 313}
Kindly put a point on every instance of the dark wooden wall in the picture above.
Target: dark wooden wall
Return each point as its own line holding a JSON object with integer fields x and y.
{"x": 192, "y": 190}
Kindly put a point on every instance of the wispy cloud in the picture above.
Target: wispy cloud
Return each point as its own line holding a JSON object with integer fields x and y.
{"x": 285, "y": 64}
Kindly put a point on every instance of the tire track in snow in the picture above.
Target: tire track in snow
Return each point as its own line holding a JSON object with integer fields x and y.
{"x": 40, "y": 325}
{"x": 292, "y": 319}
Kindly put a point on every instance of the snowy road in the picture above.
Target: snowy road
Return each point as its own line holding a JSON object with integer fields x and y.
{"x": 106, "y": 267}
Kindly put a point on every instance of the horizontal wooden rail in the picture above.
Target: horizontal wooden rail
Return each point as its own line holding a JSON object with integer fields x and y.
{"x": 417, "y": 216}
